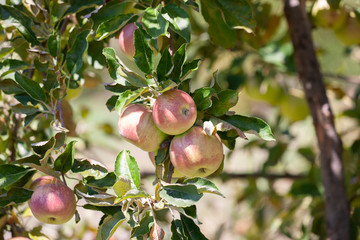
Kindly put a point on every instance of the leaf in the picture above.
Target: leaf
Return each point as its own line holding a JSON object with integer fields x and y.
{"x": 178, "y": 19}
{"x": 178, "y": 62}
{"x": 334, "y": 4}
{"x": 112, "y": 60}
{"x": 42, "y": 147}
{"x": 28, "y": 110}
{"x": 78, "y": 5}
{"x": 238, "y": 14}
{"x": 54, "y": 44}
{"x": 189, "y": 67}
{"x": 145, "y": 226}
{"x": 15, "y": 195}
{"x": 9, "y": 86}
{"x": 101, "y": 199}
{"x": 253, "y": 124}
{"x": 109, "y": 226}
{"x": 108, "y": 210}
{"x": 165, "y": 65}
{"x": 10, "y": 174}
{"x": 108, "y": 11}
{"x": 224, "y": 100}
{"x": 204, "y": 185}
{"x": 304, "y": 187}
{"x": 132, "y": 193}
{"x": 126, "y": 166}
{"x": 154, "y": 23}
{"x": 11, "y": 65}
{"x": 31, "y": 87}
{"x": 118, "y": 88}
{"x": 224, "y": 126}
{"x": 15, "y": 18}
{"x": 144, "y": 56}
{"x": 111, "y": 26}
{"x": 192, "y": 230}
{"x": 122, "y": 186}
{"x": 5, "y": 51}
{"x": 220, "y": 33}
{"x": 127, "y": 97}
{"x": 84, "y": 165}
{"x": 180, "y": 195}
{"x": 111, "y": 102}
{"x": 74, "y": 57}
{"x": 65, "y": 160}
{"x": 177, "y": 230}
{"x": 202, "y": 98}
{"x": 106, "y": 182}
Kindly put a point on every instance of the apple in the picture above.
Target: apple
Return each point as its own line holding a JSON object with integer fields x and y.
{"x": 174, "y": 112}
{"x": 43, "y": 181}
{"x": 175, "y": 174}
{"x": 136, "y": 125}
{"x": 196, "y": 154}
{"x": 53, "y": 203}
{"x": 294, "y": 108}
{"x": 19, "y": 238}
{"x": 126, "y": 40}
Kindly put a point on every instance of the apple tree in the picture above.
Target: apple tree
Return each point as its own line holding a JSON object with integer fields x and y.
{"x": 175, "y": 76}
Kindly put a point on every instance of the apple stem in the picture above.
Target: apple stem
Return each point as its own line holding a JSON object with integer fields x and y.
{"x": 63, "y": 178}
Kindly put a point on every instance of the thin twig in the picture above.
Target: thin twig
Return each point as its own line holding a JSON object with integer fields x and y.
{"x": 14, "y": 137}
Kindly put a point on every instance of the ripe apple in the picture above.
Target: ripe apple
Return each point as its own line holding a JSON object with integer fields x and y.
{"x": 53, "y": 203}
{"x": 176, "y": 173}
{"x": 174, "y": 112}
{"x": 126, "y": 40}
{"x": 19, "y": 238}
{"x": 43, "y": 181}
{"x": 196, "y": 154}
{"x": 136, "y": 125}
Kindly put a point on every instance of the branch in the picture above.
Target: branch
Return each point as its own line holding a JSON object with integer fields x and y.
{"x": 14, "y": 134}
{"x": 336, "y": 206}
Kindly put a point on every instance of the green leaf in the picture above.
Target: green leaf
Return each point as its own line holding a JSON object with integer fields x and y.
{"x": 192, "y": 230}
{"x": 10, "y": 174}
{"x": 50, "y": 81}
{"x": 65, "y": 160}
{"x": 106, "y": 182}
{"x": 202, "y": 97}
{"x": 178, "y": 61}
{"x": 144, "y": 56}
{"x": 31, "y": 87}
{"x": 109, "y": 11}
{"x": 252, "y": 124}
{"x": 132, "y": 193}
{"x": 111, "y": 26}
{"x": 118, "y": 88}
{"x": 122, "y": 186}
{"x": 15, "y": 195}
{"x": 218, "y": 30}
{"x": 41, "y": 147}
{"x": 102, "y": 199}
{"x": 15, "y": 18}
{"x": 111, "y": 102}
{"x": 165, "y": 65}
{"x": 84, "y": 165}
{"x": 180, "y": 195}
{"x": 189, "y": 67}
{"x": 178, "y": 19}
{"x": 5, "y": 51}
{"x": 9, "y": 86}
{"x": 11, "y": 65}
{"x": 154, "y": 23}
{"x": 109, "y": 226}
{"x": 177, "y": 230}
{"x": 54, "y": 44}
{"x": 78, "y": 5}
{"x": 204, "y": 185}
{"x": 238, "y": 14}
{"x": 334, "y": 4}
{"x": 304, "y": 187}
{"x": 127, "y": 97}
{"x": 108, "y": 210}
{"x": 112, "y": 61}
{"x": 74, "y": 57}
{"x": 126, "y": 166}
{"x": 224, "y": 100}
{"x": 145, "y": 226}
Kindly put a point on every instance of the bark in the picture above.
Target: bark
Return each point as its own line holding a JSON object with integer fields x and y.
{"x": 330, "y": 145}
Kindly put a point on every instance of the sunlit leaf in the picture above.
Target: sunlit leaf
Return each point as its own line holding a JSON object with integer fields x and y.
{"x": 126, "y": 166}
{"x": 178, "y": 19}
{"x": 109, "y": 226}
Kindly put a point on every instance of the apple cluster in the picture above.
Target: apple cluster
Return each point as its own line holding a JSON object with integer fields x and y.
{"x": 192, "y": 152}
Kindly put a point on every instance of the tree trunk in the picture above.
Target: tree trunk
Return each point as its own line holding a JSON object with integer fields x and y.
{"x": 330, "y": 145}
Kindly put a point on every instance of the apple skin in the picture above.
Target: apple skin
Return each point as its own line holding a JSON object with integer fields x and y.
{"x": 19, "y": 238}
{"x": 43, "y": 181}
{"x": 136, "y": 125}
{"x": 174, "y": 112}
{"x": 53, "y": 203}
{"x": 126, "y": 40}
{"x": 195, "y": 154}
{"x": 176, "y": 173}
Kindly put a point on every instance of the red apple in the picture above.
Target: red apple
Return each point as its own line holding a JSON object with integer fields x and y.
{"x": 195, "y": 154}
{"x": 43, "y": 181}
{"x": 136, "y": 125}
{"x": 126, "y": 40}
{"x": 53, "y": 203}
{"x": 174, "y": 112}
{"x": 19, "y": 238}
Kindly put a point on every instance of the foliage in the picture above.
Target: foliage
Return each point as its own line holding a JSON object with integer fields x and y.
{"x": 50, "y": 49}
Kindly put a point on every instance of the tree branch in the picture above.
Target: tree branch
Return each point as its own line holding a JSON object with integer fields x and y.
{"x": 336, "y": 205}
